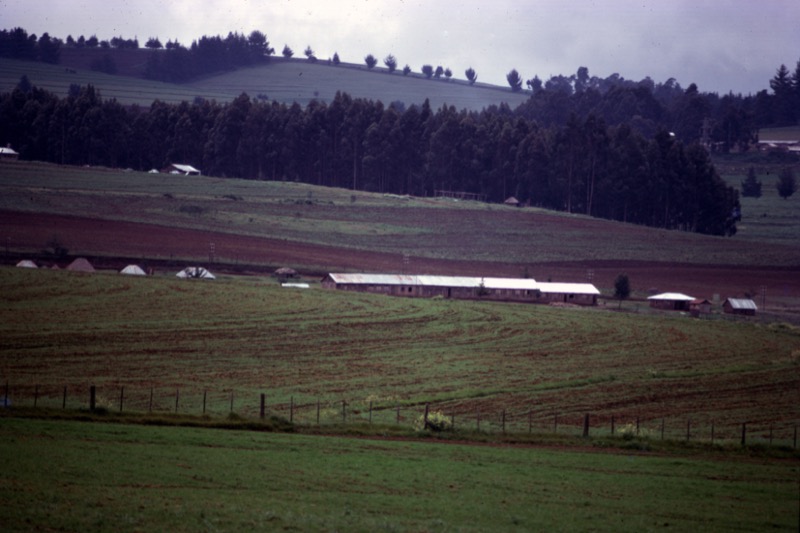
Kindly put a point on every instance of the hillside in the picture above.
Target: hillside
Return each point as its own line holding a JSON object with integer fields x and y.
{"x": 284, "y": 81}
{"x": 263, "y": 225}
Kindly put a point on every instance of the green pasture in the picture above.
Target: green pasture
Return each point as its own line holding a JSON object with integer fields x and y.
{"x": 126, "y": 90}
{"x": 170, "y": 345}
{"x": 423, "y": 227}
{"x": 281, "y": 81}
{"x": 106, "y": 477}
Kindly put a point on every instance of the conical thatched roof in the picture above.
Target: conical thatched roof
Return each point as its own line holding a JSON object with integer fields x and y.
{"x": 81, "y": 265}
{"x": 133, "y": 270}
{"x": 195, "y": 273}
{"x": 27, "y": 263}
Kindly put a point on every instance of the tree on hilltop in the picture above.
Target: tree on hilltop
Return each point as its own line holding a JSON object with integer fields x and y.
{"x": 438, "y": 72}
{"x": 427, "y": 70}
{"x": 336, "y": 59}
{"x": 406, "y": 70}
{"x": 391, "y": 63}
{"x": 514, "y": 80}
{"x": 153, "y": 43}
{"x": 287, "y": 52}
{"x": 370, "y": 61}
{"x": 448, "y": 73}
{"x": 471, "y": 75}
{"x": 310, "y": 54}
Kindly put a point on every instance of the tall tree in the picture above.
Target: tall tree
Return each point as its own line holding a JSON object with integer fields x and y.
{"x": 370, "y": 60}
{"x": 287, "y": 52}
{"x": 751, "y": 187}
{"x": 786, "y": 185}
{"x": 471, "y": 75}
{"x": 514, "y": 80}
{"x": 622, "y": 288}
{"x": 391, "y": 63}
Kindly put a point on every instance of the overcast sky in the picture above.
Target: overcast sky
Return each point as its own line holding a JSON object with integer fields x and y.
{"x": 721, "y": 45}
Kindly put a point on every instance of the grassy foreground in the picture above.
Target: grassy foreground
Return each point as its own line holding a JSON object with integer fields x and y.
{"x": 108, "y": 477}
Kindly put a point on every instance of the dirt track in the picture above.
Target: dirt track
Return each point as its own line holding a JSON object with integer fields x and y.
{"x": 92, "y": 237}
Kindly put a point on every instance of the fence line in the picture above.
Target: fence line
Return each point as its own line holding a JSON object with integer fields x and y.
{"x": 322, "y": 412}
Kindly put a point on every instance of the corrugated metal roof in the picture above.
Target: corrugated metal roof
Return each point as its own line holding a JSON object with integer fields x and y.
{"x": 567, "y": 288}
{"x": 674, "y": 296}
{"x": 742, "y": 303}
{"x": 464, "y": 281}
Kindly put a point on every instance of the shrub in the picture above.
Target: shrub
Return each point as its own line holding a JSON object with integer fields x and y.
{"x": 437, "y": 421}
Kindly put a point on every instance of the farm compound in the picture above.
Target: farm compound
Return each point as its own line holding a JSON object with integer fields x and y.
{"x": 460, "y": 287}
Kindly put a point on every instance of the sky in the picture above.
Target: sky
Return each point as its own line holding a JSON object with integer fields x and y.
{"x": 720, "y": 45}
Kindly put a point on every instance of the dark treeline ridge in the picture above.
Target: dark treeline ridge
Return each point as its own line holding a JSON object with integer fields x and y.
{"x": 723, "y": 122}
{"x": 581, "y": 166}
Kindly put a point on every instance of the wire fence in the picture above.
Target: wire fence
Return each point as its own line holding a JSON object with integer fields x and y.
{"x": 322, "y": 412}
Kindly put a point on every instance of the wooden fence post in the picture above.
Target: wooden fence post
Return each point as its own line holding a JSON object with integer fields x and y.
{"x": 688, "y": 429}
{"x": 712, "y": 433}
{"x": 425, "y": 418}
{"x": 150, "y": 405}
{"x": 36, "y": 396}
{"x": 262, "y": 410}
{"x": 795, "y": 438}
{"x": 530, "y": 420}
{"x": 398, "y": 414}
{"x": 770, "y": 434}
{"x": 478, "y": 419}
{"x": 555, "y": 422}
{"x": 453, "y": 422}
{"x": 370, "y": 412}
{"x": 64, "y": 398}
{"x": 291, "y": 409}
{"x": 744, "y": 433}
{"x": 637, "y": 426}
{"x": 586, "y": 425}
{"x": 344, "y": 413}
{"x": 662, "y": 428}
{"x": 612, "y": 425}
{"x": 503, "y": 423}
{"x": 317, "y": 411}
{"x": 121, "y": 397}
{"x": 92, "y": 397}
{"x": 205, "y": 396}
{"x": 5, "y": 397}
{"x": 231, "y": 401}
{"x": 177, "y": 395}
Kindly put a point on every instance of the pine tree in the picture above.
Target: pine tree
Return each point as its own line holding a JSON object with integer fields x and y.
{"x": 786, "y": 184}
{"x": 751, "y": 187}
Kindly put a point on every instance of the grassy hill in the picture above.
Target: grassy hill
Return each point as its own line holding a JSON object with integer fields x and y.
{"x": 280, "y": 80}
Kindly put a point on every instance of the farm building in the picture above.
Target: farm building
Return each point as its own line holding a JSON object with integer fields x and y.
{"x": 175, "y": 168}
{"x": 27, "y": 263}
{"x": 671, "y": 301}
{"x": 739, "y": 306}
{"x": 462, "y": 287}
{"x": 8, "y": 153}
{"x": 700, "y": 307}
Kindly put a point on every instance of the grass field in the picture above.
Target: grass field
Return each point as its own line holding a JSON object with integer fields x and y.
{"x": 278, "y": 81}
{"x": 239, "y": 337}
{"x": 107, "y": 477}
{"x": 425, "y": 227}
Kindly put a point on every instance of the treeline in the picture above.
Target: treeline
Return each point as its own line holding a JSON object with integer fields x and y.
{"x": 582, "y": 166}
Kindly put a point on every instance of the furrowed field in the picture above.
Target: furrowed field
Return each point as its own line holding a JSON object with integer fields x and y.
{"x": 236, "y": 338}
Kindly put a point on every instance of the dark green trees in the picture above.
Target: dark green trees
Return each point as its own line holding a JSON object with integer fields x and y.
{"x": 751, "y": 187}
{"x": 786, "y": 184}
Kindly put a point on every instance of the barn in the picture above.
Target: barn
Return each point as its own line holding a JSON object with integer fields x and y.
{"x": 671, "y": 301}
{"x": 739, "y": 306}
{"x": 463, "y": 287}
{"x": 700, "y": 307}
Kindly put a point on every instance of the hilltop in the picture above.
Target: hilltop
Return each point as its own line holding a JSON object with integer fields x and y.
{"x": 281, "y": 80}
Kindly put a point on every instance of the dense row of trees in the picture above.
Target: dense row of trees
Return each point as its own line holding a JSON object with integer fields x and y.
{"x": 580, "y": 166}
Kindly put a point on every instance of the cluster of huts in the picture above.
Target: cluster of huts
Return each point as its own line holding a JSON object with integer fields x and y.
{"x": 81, "y": 264}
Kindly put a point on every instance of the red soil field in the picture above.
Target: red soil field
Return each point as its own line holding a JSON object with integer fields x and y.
{"x": 116, "y": 242}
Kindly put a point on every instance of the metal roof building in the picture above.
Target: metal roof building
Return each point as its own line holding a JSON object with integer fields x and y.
{"x": 673, "y": 301}
{"x": 740, "y": 306}
{"x": 464, "y": 287}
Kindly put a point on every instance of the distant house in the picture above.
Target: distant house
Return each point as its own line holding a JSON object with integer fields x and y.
{"x": 700, "y": 307}
{"x": 185, "y": 170}
{"x": 740, "y": 306}
{"x": 8, "y": 153}
{"x": 512, "y": 201}
{"x": 671, "y": 301}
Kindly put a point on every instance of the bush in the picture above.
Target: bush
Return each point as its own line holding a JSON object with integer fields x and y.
{"x": 437, "y": 421}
